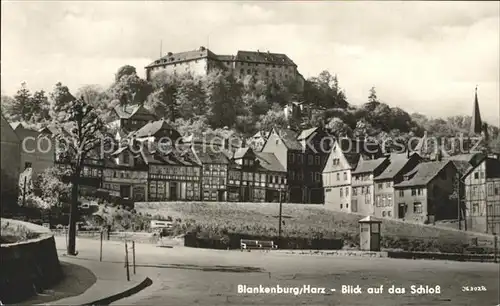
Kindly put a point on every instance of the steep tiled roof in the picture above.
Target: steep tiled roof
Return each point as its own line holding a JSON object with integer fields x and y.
{"x": 289, "y": 138}
{"x": 471, "y": 158}
{"x": 366, "y": 166}
{"x": 226, "y": 58}
{"x": 264, "y": 57}
{"x": 152, "y": 128}
{"x": 16, "y": 124}
{"x": 396, "y": 164}
{"x": 492, "y": 168}
{"x": 423, "y": 173}
{"x": 304, "y": 134}
{"x": 171, "y": 58}
{"x": 126, "y": 111}
{"x": 239, "y": 153}
{"x": 210, "y": 154}
{"x": 269, "y": 162}
{"x": 462, "y": 166}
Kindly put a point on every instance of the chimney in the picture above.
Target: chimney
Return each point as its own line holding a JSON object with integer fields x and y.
{"x": 169, "y": 53}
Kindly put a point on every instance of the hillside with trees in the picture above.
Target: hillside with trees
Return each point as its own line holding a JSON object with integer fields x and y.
{"x": 219, "y": 100}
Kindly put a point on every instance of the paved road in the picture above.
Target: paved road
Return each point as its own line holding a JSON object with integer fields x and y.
{"x": 186, "y": 276}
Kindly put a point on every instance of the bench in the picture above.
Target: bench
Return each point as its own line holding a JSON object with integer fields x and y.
{"x": 246, "y": 244}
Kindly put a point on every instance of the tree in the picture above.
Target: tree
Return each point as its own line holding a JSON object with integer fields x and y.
{"x": 275, "y": 117}
{"x": 223, "y": 94}
{"x": 79, "y": 133}
{"x": 372, "y": 98}
{"x": 163, "y": 100}
{"x": 51, "y": 186}
{"x": 338, "y": 128}
{"x": 130, "y": 89}
{"x": 124, "y": 70}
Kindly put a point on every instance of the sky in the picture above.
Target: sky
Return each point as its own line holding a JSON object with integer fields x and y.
{"x": 424, "y": 57}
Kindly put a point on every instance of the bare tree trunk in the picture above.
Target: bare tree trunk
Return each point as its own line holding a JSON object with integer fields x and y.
{"x": 73, "y": 216}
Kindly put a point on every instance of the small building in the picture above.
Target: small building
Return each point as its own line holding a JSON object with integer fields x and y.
{"x": 341, "y": 161}
{"x": 399, "y": 164}
{"x": 173, "y": 176}
{"x": 424, "y": 194}
{"x": 126, "y": 175}
{"x": 255, "y": 177}
{"x": 37, "y": 148}
{"x": 482, "y": 196}
{"x": 276, "y": 181}
{"x": 10, "y": 161}
{"x": 215, "y": 165}
{"x": 362, "y": 183}
{"x": 131, "y": 117}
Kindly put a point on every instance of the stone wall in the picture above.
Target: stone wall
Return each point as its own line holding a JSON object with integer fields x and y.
{"x": 28, "y": 267}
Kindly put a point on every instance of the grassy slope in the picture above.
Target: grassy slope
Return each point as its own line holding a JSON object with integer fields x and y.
{"x": 306, "y": 221}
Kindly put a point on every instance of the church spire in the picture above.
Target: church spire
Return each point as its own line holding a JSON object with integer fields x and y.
{"x": 476, "y": 124}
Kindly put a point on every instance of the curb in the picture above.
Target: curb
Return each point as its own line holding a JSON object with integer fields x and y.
{"x": 111, "y": 299}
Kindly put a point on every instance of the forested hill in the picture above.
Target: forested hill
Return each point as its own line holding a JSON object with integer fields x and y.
{"x": 245, "y": 106}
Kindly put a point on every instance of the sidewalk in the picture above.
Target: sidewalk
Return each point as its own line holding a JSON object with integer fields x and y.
{"x": 111, "y": 277}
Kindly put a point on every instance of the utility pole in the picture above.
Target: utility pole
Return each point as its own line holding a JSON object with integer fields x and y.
{"x": 24, "y": 191}
{"x": 279, "y": 226}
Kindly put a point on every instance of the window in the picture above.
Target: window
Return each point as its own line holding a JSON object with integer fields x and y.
{"x": 292, "y": 157}
{"x": 354, "y": 191}
{"x": 413, "y": 191}
{"x": 389, "y": 200}
{"x": 363, "y": 190}
{"x": 383, "y": 214}
{"x": 346, "y": 205}
{"x": 481, "y": 174}
{"x": 338, "y": 176}
{"x": 340, "y": 206}
{"x": 312, "y": 176}
{"x": 380, "y": 186}
{"x": 417, "y": 208}
{"x": 490, "y": 189}
{"x": 126, "y": 157}
{"x": 476, "y": 175}
{"x": 388, "y": 184}
{"x": 318, "y": 160}
{"x": 345, "y": 176}
{"x": 475, "y": 208}
{"x": 401, "y": 193}
{"x": 347, "y": 191}
{"x": 310, "y": 159}
{"x": 242, "y": 71}
{"x": 474, "y": 191}
{"x": 367, "y": 198}
{"x": 335, "y": 161}
{"x": 388, "y": 213}
{"x": 497, "y": 191}
{"x": 27, "y": 165}
{"x": 341, "y": 192}
{"x": 249, "y": 71}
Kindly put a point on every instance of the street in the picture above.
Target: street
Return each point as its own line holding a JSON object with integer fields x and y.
{"x": 188, "y": 276}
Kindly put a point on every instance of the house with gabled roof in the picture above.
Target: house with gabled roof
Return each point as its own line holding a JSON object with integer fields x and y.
{"x": 10, "y": 161}
{"x": 342, "y": 159}
{"x": 125, "y": 174}
{"x": 398, "y": 165}
{"x": 37, "y": 148}
{"x": 255, "y": 176}
{"x": 131, "y": 117}
{"x": 173, "y": 175}
{"x": 424, "y": 194}
{"x": 363, "y": 191}
{"x": 482, "y": 195}
{"x": 303, "y": 158}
